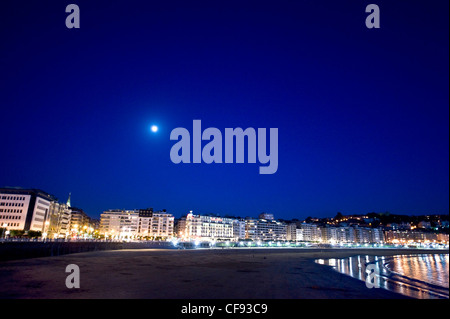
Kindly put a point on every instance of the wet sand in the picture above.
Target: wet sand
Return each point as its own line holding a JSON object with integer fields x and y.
{"x": 191, "y": 274}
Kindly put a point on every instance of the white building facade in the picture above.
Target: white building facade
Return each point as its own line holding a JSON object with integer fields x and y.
{"x": 204, "y": 227}
{"x": 136, "y": 224}
{"x": 57, "y": 223}
{"x": 265, "y": 230}
{"x": 311, "y": 232}
{"x": 291, "y": 231}
{"x": 119, "y": 224}
{"x": 24, "y": 209}
{"x": 238, "y": 229}
{"x": 157, "y": 226}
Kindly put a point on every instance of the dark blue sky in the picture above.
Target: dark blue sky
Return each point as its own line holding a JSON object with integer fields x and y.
{"x": 363, "y": 115}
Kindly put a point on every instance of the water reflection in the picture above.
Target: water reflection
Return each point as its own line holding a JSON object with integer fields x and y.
{"x": 417, "y": 276}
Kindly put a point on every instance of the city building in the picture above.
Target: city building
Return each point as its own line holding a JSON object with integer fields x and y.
{"x": 311, "y": 232}
{"x": 329, "y": 234}
{"x": 415, "y": 236}
{"x": 365, "y": 235}
{"x": 94, "y": 223}
{"x": 180, "y": 227}
{"x": 343, "y": 234}
{"x": 119, "y": 224}
{"x": 265, "y": 230}
{"x": 377, "y": 235}
{"x": 57, "y": 223}
{"x": 24, "y": 209}
{"x": 238, "y": 229}
{"x": 155, "y": 225}
{"x": 204, "y": 227}
{"x": 251, "y": 226}
{"x": 350, "y": 236}
{"x": 299, "y": 233}
{"x": 136, "y": 224}
{"x": 81, "y": 225}
{"x": 291, "y": 231}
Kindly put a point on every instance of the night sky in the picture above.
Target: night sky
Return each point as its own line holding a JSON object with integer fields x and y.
{"x": 362, "y": 114}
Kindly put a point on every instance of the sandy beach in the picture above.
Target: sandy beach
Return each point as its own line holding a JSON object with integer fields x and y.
{"x": 191, "y": 274}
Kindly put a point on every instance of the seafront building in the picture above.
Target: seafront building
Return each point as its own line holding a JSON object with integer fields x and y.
{"x": 136, "y": 224}
{"x": 212, "y": 228}
{"x": 251, "y": 228}
{"x": 57, "y": 224}
{"x": 238, "y": 229}
{"x": 81, "y": 225}
{"x": 265, "y": 230}
{"x": 119, "y": 224}
{"x": 376, "y": 235}
{"x": 155, "y": 225}
{"x": 205, "y": 227}
{"x": 33, "y": 210}
{"x": 366, "y": 235}
{"x": 24, "y": 209}
{"x": 299, "y": 233}
{"x": 310, "y": 232}
{"x": 357, "y": 235}
{"x": 291, "y": 231}
{"x": 179, "y": 227}
{"x": 417, "y": 236}
{"x": 329, "y": 234}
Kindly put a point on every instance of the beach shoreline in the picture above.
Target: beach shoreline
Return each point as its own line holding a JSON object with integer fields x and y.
{"x": 286, "y": 273}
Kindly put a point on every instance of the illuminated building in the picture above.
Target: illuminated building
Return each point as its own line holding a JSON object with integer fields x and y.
{"x": 155, "y": 225}
{"x": 119, "y": 224}
{"x": 136, "y": 224}
{"x": 238, "y": 229}
{"x": 311, "y": 232}
{"x": 299, "y": 234}
{"x": 80, "y": 223}
{"x": 24, "y": 209}
{"x": 291, "y": 231}
{"x": 57, "y": 223}
{"x": 203, "y": 227}
{"x": 415, "y": 236}
{"x": 329, "y": 234}
{"x": 265, "y": 230}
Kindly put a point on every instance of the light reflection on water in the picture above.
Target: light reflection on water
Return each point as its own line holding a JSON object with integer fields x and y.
{"x": 417, "y": 276}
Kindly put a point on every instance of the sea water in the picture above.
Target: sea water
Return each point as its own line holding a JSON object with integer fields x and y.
{"x": 424, "y": 276}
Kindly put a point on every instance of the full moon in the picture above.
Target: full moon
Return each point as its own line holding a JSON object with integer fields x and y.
{"x": 154, "y": 128}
